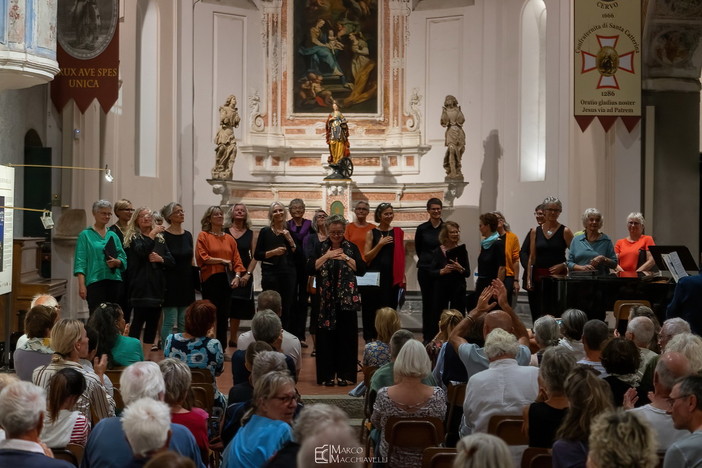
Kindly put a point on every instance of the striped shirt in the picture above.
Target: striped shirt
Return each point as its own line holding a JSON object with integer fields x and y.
{"x": 95, "y": 398}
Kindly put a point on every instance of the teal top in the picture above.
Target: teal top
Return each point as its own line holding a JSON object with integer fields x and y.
{"x": 126, "y": 351}
{"x": 89, "y": 258}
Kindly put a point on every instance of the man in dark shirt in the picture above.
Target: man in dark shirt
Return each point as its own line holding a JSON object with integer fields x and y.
{"x": 426, "y": 240}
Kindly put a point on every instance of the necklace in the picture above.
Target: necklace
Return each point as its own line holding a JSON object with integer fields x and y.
{"x": 217, "y": 234}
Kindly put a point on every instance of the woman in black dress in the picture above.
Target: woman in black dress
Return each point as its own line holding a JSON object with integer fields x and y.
{"x": 384, "y": 253}
{"x": 491, "y": 261}
{"x": 336, "y": 262}
{"x": 449, "y": 269}
{"x": 180, "y": 286}
{"x": 275, "y": 249}
{"x": 549, "y": 242}
{"x": 312, "y": 242}
{"x": 243, "y": 306}
{"x": 148, "y": 257}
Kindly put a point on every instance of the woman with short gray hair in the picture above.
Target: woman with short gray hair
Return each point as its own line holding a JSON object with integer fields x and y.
{"x": 99, "y": 260}
{"x": 546, "y": 333}
{"x": 632, "y": 251}
{"x": 177, "y": 377}
{"x": 335, "y": 263}
{"x": 592, "y": 250}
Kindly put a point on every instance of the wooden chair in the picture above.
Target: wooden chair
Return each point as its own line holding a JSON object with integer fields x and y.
{"x": 65, "y": 455}
{"x": 202, "y": 397}
{"x": 366, "y": 425}
{"x": 201, "y": 376}
{"x": 455, "y": 394}
{"x": 114, "y": 374}
{"x": 119, "y": 403}
{"x": 536, "y": 457}
{"x": 622, "y": 308}
{"x": 509, "y": 429}
{"x": 438, "y": 457}
{"x": 414, "y": 434}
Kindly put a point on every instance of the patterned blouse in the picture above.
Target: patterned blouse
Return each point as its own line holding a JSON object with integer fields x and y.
{"x": 199, "y": 353}
{"x": 376, "y": 353}
{"x": 384, "y": 407}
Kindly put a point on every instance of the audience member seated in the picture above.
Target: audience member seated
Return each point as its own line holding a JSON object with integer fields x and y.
{"x": 266, "y": 425}
{"x": 685, "y": 406}
{"x": 640, "y": 331}
{"x": 177, "y": 379}
{"x": 22, "y": 408}
{"x": 338, "y": 436}
{"x": 482, "y": 451}
{"x": 621, "y": 360}
{"x": 502, "y": 389}
{"x": 686, "y": 302}
{"x": 62, "y": 426}
{"x": 671, "y": 367}
{"x": 377, "y": 352}
{"x": 314, "y": 419}
{"x": 107, "y": 445}
{"x": 588, "y": 396}
{"x": 265, "y": 326}
{"x": 69, "y": 341}
{"x": 572, "y": 323}
{"x": 114, "y": 340}
{"x": 243, "y": 391}
{"x": 36, "y": 350}
{"x": 264, "y": 362}
{"x": 5, "y": 380}
{"x": 290, "y": 344}
{"x": 595, "y": 337}
{"x": 690, "y": 346}
{"x": 453, "y": 368}
{"x": 546, "y": 333}
{"x": 641, "y": 310}
{"x": 409, "y": 397}
{"x": 472, "y": 355}
{"x": 669, "y": 329}
{"x": 43, "y": 300}
{"x": 195, "y": 348}
{"x": 435, "y": 348}
{"x": 592, "y": 250}
{"x": 543, "y": 417}
{"x": 619, "y": 439}
{"x": 385, "y": 375}
{"x": 147, "y": 427}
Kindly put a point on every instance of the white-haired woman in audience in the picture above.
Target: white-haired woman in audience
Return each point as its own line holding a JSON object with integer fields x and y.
{"x": 592, "y": 250}
{"x": 588, "y": 396}
{"x": 267, "y": 424}
{"x": 99, "y": 260}
{"x": 177, "y": 377}
{"x": 543, "y": 417}
{"x": 409, "y": 397}
{"x": 690, "y": 346}
{"x": 619, "y": 439}
{"x": 482, "y": 451}
{"x": 546, "y": 333}
{"x": 312, "y": 420}
{"x": 147, "y": 427}
{"x": 632, "y": 251}
{"x": 70, "y": 342}
{"x": 572, "y": 323}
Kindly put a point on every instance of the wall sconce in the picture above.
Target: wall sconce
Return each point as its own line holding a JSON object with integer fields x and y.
{"x": 46, "y": 218}
{"x": 107, "y": 172}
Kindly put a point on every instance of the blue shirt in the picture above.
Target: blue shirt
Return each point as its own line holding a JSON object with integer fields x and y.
{"x": 582, "y": 251}
{"x": 256, "y": 442}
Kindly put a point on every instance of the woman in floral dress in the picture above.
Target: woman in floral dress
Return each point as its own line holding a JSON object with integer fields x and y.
{"x": 197, "y": 349}
{"x": 336, "y": 262}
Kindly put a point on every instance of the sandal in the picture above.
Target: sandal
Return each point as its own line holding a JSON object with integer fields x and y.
{"x": 342, "y": 383}
{"x": 154, "y": 347}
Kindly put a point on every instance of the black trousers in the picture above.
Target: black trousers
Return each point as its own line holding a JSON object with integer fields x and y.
{"x": 284, "y": 283}
{"x": 216, "y": 289}
{"x": 430, "y": 319}
{"x": 337, "y": 350}
{"x": 372, "y": 299}
{"x": 148, "y": 316}
{"x": 104, "y": 291}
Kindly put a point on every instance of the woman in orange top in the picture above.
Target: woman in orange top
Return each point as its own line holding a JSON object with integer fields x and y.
{"x": 218, "y": 258}
{"x": 632, "y": 251}
{"x": 356, "y": 231}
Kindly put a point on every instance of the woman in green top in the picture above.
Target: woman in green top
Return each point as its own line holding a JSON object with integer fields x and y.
{"x": 115, "y": 342}
{"x": 99, "y": 260}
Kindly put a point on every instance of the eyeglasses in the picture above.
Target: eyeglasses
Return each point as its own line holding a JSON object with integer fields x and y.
{"x": 285, "y": 399}
{"x": 671, "y": 400}
{"x": 126, "y": 209}
{"x": 336, "y": 233}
